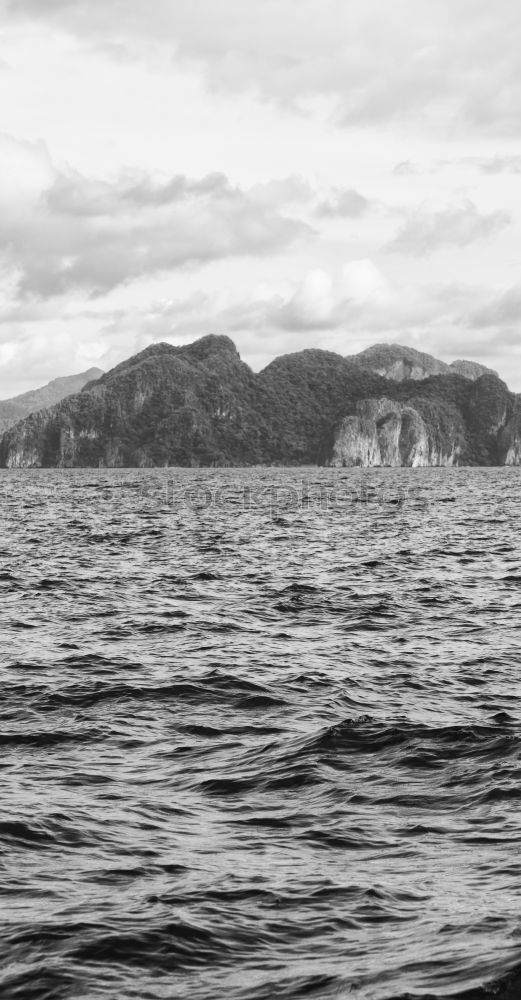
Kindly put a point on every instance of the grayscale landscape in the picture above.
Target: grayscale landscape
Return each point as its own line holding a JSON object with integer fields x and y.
{"x": 260, "y": 480}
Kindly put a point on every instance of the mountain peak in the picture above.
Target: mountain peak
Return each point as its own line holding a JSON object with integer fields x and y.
{"x": 18, "y": 407}
{"x": 198, "y": 350}
{"x": 212, "y": 343}
{"x": 471, "y": 369}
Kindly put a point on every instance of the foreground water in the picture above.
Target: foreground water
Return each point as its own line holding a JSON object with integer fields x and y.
{"x": 260, "y": 734}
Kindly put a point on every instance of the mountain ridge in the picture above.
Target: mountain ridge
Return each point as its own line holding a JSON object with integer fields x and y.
{"x": 199, "y": 404}
{"x": 398, "y": 362}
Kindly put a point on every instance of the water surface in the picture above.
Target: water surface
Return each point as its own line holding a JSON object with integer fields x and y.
{"x": 260, "y": 733}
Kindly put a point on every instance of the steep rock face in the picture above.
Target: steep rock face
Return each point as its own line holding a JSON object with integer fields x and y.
{"x": 384, "y": 432}
{"x": 509, "y": 439}
{"x": 12, "y": 410}
{"x": 488, "y": 413}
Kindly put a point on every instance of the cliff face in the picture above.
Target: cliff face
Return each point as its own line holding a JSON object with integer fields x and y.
{"x": 509, "y": 437}
{"x": 15, "y": 409}
{"x": 384, "y": 432}
{"x": 400, "y": 363}
{"x": 201, "y": 405}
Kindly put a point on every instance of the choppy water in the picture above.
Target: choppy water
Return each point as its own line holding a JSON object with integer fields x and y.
{"x": 260, "y": 744}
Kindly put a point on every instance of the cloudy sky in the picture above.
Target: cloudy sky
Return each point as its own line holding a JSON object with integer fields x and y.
{"x": 294, "y": 173}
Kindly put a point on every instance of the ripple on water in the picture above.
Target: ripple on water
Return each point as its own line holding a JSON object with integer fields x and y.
{"x": 260, "y": 750}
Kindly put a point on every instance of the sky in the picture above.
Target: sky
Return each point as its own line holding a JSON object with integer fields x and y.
{"x": 292, "y": 173}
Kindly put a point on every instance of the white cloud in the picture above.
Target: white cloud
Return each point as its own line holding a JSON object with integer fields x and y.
{"x": 362, "y": 282}
{"x": 323, "y": 301}
{"x": 380, "y": 61}
{"x": 312, "y": 305}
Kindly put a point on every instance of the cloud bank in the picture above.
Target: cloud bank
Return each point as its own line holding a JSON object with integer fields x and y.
{"x": 454, "y": 61}
{"x": 62, "y": 231}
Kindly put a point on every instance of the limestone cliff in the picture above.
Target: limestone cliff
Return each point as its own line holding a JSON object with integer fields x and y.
{"x": 393, "y": 361}
{"x": 384, "y": 432}
{"x": 509, "y": 438}
{"x": 471, "y": 369}
{"x": 398, "y": 363}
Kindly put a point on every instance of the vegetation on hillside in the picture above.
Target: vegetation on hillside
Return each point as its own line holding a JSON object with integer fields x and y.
{"x": 201, "y": 405}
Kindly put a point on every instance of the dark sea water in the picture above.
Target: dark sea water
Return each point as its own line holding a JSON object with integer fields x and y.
{"x": 260, "y": 734}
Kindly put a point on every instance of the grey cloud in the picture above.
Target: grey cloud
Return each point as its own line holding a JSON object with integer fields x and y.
{"x": 501, "y": 165}
{"x": 93, "y": 236}
{"x": 424, "y": 232}
{"x": 345, "y": 203}
{"x": 286, "y": 316}
{"x": 501, "y": 309}
{"x": 290, "y": 190}
{"x": 75, "y": 195}
{"x": 434, "y": 314}
{"x": 406, "y": 169}
{"x": 431, "y": 309}
{"x": 491, "y": 165}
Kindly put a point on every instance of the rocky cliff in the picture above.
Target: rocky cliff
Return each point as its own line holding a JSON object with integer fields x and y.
{"x": 399, "y": 363}
{"x": 385, "y": 432}
{"x": 471, "y": 369}
{"x": 201, "y": 405}
{"x": 15, "y": 409}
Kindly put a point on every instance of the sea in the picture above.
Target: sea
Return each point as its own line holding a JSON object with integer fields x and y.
{"x": 260, "y": 734}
